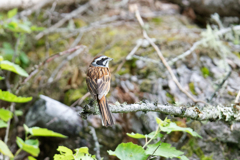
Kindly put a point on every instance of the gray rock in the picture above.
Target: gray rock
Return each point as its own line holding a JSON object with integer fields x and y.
{"x": 51, "y": 114}
{"x": 140, "y": 64}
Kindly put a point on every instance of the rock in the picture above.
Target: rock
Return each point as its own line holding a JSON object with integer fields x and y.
{"x": 140, "y": 64}
{"x": 51, "y": 114}
{"x": 146, "y": 85}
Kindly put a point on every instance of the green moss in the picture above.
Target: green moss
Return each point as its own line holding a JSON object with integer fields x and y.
{"x": 74, "y": 94}
{"x": 146, "y": 86}
{"x": 205, "y": 72}
{"x": 192, "y": 148}
{"x": 157, "y": 20}
{"x": 237, "y": 54}
{"x": 171, "y": 97}
{"x": 79, "y": 23}
{"x": 192, "y": 89}
{"x": 123, "y": 71}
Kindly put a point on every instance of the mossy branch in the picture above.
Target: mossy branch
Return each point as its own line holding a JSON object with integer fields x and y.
{"x": 212, "y": 113}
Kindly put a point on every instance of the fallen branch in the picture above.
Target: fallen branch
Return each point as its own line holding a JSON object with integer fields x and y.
{"x": 212, "y": 113}
{"x": 145, "y": 35}
{"x": 74, "y": 13}
{"x": 35, "y": 69}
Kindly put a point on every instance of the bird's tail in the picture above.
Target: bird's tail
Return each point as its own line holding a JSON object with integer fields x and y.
{"x": 105, "y": 112}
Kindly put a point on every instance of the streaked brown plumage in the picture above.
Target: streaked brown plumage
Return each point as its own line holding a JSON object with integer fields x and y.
{"x": 98, "y": 82}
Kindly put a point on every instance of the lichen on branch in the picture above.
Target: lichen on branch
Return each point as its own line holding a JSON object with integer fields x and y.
{"x": 212, "y": 113}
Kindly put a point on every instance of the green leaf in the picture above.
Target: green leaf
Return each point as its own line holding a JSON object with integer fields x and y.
{"x": 129, "y": 151}
{"x": 173, "y": 127}
{"x": 36, "y": 131}
{"x": 65, "y": 154}
{"x": 13, "y": 26}
{"x": 3, "y": 124}
{"x": 65, "y": 150}
{"x": 7, "y": 96}
{"x": 24, "y": 28}
{"x": 136, "y": 135}
{"x": 164, "y": 150}
{"x": 111, "y": 153}
{"x": 150, "y": 135}
{"x": 1, "y": 58}
{"x": 12, "y": 12}
{"x": 26, "y": 128}
{"x": 18, "y": 112}
{"x": 36, "y": 28}
{"x": 83, "y": 150}
{"x": 1, "y": 78}
{"x": 24, "y": 58}
{"x": 183, "y": 158}
{"x": 82, "y": 154}
{"x": 31, "y": 158}
{"x": 6, "y": 65}
{"x": 5, "y": 150}
{"x": 30, "y": 146}
{"x": 5, "y": 115}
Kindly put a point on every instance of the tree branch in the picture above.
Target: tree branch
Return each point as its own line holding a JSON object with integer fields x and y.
{"x": 212, "y": 113}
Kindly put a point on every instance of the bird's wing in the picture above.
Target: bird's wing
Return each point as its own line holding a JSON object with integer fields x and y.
{"x": 92, "y": 86}
{"x": 103, "y": 86}
{"x": 99, "y": 87}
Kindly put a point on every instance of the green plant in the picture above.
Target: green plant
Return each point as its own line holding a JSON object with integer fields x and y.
{"x": 29, "y": 145}
{"x": 17, "y": 30}
{"x": 130, "y": 151}
{"x": 67, "y": 154}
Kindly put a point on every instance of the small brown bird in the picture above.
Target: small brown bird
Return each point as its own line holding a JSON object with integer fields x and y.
{"x": 98, "y": 82}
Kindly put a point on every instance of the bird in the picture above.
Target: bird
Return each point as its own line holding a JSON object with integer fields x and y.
{"x": 98, "y": 83}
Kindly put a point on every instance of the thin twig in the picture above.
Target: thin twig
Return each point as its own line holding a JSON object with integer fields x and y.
{"x": 157, "y": 147}
{"x": 237, "y": 98}
{"x": 129, "y": 56}
{"x": 196, "y": 44}
{"x": 80, "y": 100}
{"x": 74, "y": 13}
{"x": 70, "y": 57}
{"x": 156, "y": 132}
{"x": 77, "y": 40}
{"x": 97, "y": 146}
{"x": 145, "y": 35}
{"x": 220, "y": 86}
{"x": 35, "y": 69}
{"x": 27, "y": 12}
{"x": 8, "y": 126}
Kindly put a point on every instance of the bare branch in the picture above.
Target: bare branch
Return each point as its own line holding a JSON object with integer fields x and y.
{"x": 145, "y": 35}
{"x": 65, "y": 19}
{"x": 35, "y": 69}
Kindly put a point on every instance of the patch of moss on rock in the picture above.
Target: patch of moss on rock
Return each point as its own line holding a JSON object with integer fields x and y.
{"x": 192, "y": 88}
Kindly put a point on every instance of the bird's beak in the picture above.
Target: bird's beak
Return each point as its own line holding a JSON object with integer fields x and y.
{"x": 109, "y": 59}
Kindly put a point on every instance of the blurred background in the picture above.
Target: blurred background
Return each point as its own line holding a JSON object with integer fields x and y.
{"x": 33, "y": 30}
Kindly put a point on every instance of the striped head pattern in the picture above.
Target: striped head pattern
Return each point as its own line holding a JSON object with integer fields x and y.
{"x": 101, "y": 61}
